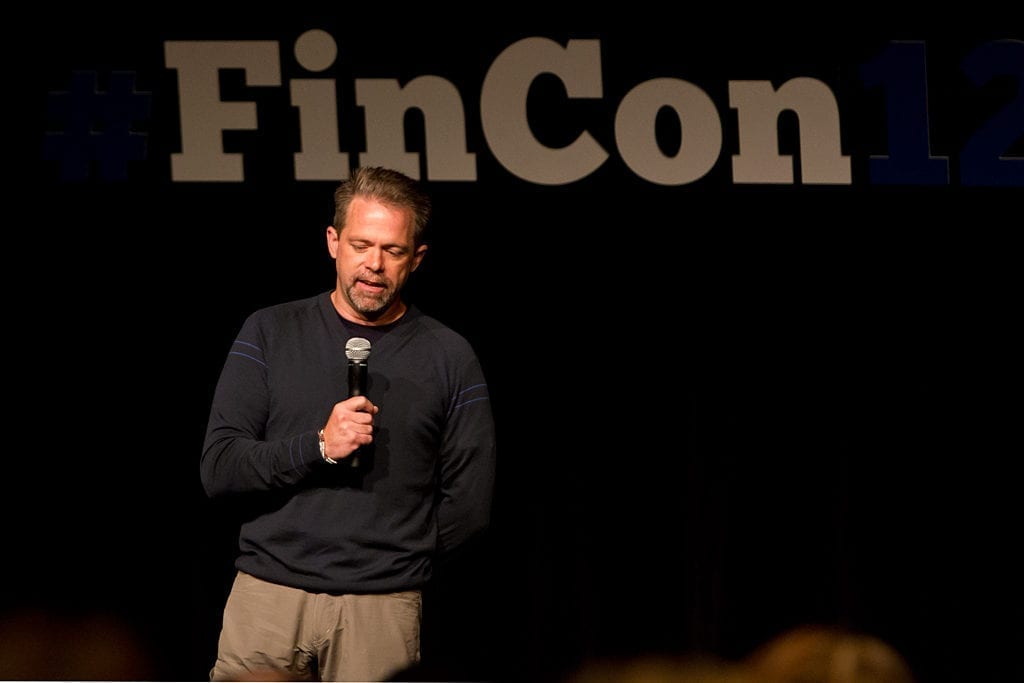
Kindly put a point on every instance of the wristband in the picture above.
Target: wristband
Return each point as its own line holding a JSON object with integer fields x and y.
{"x": 323, "y": 448}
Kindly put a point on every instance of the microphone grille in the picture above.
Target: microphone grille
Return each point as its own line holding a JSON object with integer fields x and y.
{"x": 357, "y": 349}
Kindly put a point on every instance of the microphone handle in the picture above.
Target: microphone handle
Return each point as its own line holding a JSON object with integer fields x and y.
{"x": 356, "y": 387}
{"x": 356, "y": 378}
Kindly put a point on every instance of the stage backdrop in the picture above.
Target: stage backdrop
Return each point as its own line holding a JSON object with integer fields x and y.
{"x": 747, "y": 299}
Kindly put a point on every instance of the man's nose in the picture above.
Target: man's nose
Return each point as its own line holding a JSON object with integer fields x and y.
{"x": 374, "y": 259}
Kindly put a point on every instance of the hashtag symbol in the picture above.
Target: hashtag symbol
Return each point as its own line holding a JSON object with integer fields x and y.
{"x": 97, "y": 127}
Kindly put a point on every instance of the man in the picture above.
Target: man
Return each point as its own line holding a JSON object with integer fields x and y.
{"x": 348, "y": 501}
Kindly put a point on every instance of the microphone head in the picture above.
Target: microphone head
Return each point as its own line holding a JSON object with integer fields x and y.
{"x": 357, "y": 349}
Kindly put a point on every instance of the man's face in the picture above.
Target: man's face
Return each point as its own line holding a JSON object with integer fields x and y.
{"x": 374, "y": 255}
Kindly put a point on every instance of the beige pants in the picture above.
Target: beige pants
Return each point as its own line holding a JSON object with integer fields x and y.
{"x": 276, "y": 633}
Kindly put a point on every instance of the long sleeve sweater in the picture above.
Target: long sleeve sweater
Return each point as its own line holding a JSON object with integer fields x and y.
{"x": 422, "y": 488}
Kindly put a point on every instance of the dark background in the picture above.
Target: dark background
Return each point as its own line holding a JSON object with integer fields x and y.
{"x": 723, "y": 409}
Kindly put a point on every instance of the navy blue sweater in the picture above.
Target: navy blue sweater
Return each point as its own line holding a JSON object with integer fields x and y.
{"x": 423, "y": 487}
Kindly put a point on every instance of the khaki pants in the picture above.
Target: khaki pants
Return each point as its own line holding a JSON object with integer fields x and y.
{"x": 273, "y": 632}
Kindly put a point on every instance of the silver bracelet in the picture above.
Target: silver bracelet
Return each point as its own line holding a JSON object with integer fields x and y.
{"x": 323, "y": 448}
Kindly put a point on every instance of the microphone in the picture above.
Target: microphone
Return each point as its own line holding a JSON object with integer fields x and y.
{"x": 357, "y": 350}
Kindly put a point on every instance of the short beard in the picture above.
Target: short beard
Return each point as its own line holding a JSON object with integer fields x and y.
{"x": 370, "y": 307}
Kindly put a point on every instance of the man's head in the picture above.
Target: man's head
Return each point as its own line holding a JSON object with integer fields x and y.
{"x": 377, "y": 241}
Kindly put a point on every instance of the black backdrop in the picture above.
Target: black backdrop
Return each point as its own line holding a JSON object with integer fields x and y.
{"x": 723, "y": 409}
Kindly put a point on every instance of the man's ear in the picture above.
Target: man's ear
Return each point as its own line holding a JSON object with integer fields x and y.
{"x": 417, "y": 258}
{"x": 332, "y": 241}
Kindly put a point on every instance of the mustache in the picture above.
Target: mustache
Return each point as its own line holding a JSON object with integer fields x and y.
{"x": 372, "y": 279}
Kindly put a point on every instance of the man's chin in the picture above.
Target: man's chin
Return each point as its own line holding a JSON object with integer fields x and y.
{"x": 371, "y": 310}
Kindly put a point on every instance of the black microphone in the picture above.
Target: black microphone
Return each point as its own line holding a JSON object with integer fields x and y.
{"x": 357, "y": 350}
